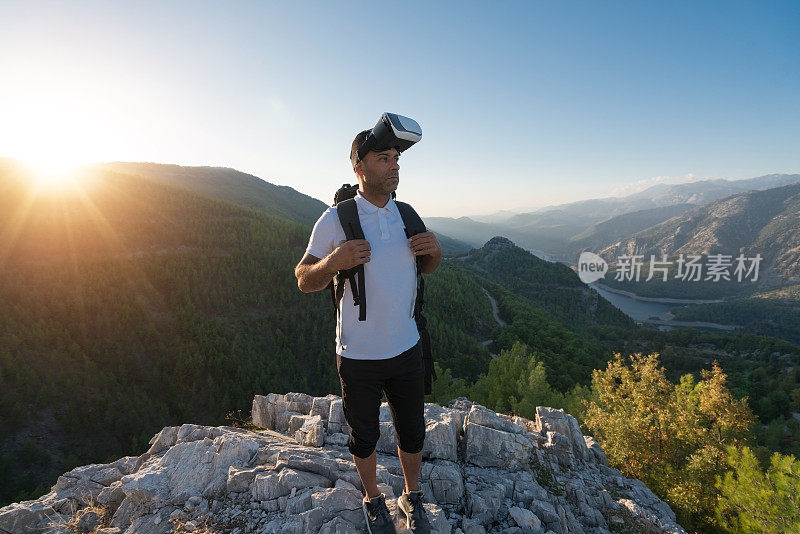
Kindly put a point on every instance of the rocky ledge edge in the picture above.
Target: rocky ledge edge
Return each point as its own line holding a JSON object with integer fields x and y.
{"x": 482, "y": 472}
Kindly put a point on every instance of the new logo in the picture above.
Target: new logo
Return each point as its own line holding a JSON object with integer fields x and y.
{"x": 591, "y": 267}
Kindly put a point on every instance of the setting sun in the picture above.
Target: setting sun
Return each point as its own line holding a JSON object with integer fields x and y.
{"x": 54, "y": 174}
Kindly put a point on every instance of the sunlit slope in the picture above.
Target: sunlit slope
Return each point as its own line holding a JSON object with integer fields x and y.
{"x": 234, "y": 186}
{"x": 250, "y": 191}
{"x": 128, "y": 304}
{"x": 125, "y": 244}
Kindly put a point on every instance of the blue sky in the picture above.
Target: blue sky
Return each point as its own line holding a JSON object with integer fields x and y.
{"x": 522, "y": 104}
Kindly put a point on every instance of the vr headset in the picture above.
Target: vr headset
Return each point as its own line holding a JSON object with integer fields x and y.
{"x": 392, "y": 131}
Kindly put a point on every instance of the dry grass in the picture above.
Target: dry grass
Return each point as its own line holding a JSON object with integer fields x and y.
{"x": 236, "y": 420}
{"x": 204, "y": 525}
{"x": 69, "y": 522}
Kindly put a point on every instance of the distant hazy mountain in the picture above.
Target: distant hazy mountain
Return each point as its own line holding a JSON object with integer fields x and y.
{"x": 464, "y": 229}
{"x": 705, "y": 191}
{"x": 605, "y": 233}
{"x": 765, "y": 222}
{"x": 583, "y": 211}
{"x": 496, "y": 217}
{"x": 559, "y": 230}
{"x": 231, "y": 185}
{"x": 700, "y": 192}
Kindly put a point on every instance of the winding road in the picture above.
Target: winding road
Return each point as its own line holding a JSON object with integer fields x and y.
{"x": 495, "y": 314}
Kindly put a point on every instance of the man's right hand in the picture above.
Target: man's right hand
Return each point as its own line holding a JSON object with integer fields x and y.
{"x": 349, "y": 254}
{"x": 314, "y": 274}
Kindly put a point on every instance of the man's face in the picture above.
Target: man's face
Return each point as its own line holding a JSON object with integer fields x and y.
{"x": 380, "y": 171}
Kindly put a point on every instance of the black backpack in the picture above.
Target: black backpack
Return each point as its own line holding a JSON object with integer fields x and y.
{"x": 348, "y": 216}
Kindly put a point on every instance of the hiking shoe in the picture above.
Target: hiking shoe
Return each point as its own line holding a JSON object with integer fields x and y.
{"x": 377, "y": 516}
{"x": 416, "y": 518}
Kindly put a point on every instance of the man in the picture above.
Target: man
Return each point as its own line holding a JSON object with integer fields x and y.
{"x": 382, "y": 354}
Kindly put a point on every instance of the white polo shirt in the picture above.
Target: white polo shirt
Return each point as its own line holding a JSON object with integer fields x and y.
{"x": 390, "y": 282}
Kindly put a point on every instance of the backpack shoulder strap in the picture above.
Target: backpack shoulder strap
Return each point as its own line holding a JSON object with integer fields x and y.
{"x": 413, "y": 222}
{"x": 347, "y": 210}
{"x": 414, "y": 226}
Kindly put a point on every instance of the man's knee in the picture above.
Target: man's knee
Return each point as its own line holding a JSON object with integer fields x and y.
{"x": 412, "y": 441}
{"x": 362, "y": 444}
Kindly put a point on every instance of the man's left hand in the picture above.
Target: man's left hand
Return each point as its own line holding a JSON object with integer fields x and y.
{"x": 425, "y": 243}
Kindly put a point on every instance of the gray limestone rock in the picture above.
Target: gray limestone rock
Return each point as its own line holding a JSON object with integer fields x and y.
{"x": 322, "y": 406}
{"x": 85, "y": 482}
{"x": 526, "y": 520}
{"x": 156, "y": 523}
{"x": 554, "y": 420}
{"x": 334, "y": 501}
{"x": 442, "y": 430}
{"x": 112, "y": 495}
{"x": 336, "y": 413}
{"x": 299, "y": 402}
{"x": 338, "y": 439}
{"x": 489, "y": 447}
{"x": 481, "y": 415}
{"x": 312, "y": 432}
{"x": 445, "y": 481}
{"x": 337, "y": 525}
{"x": 649, "y": 521}
{"x": 190, "y": 468}
{"x": 163, "y": 440}
{"x": 595, "y": 449}
{"x": 438, "y": 519}
{"x": 240, "y": 478}
{"x": 481, "y": 471}
{"x": 24, "y": 517}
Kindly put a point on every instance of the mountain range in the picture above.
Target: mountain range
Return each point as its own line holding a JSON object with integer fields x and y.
{"x": 765, "y": 222}
{"x": 563, "y": 231}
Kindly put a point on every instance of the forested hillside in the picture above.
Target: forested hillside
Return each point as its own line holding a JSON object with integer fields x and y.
{"x": 572, "y": 331}
{"x": 771, "y": 313}
{"x": 128, "y": 305}
{"x": 551, "y": 285}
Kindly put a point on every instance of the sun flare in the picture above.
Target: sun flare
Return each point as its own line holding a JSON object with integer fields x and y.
{"x": 54, "y": 174}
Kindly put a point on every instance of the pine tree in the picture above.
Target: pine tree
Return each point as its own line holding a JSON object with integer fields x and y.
{"x": 755, "y": 502}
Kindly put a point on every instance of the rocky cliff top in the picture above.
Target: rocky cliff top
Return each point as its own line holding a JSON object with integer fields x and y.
{"x": 482, "y": 472}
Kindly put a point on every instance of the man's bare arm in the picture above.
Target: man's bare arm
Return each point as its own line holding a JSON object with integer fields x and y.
{"x": 313, "y": 274}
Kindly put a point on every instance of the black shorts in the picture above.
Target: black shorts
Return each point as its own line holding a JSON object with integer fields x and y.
{"x": 363, "y": 384}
